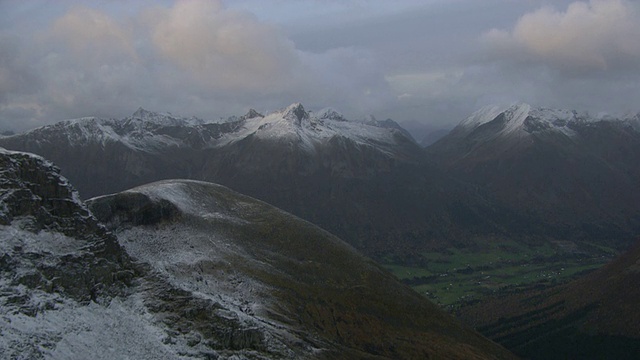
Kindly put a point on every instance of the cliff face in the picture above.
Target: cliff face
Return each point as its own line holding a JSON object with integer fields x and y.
{"x": 51, "y": 241}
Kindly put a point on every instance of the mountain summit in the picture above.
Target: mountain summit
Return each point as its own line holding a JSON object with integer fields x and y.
{"x": 521, "y": 119}
{"x": 295, "y": 111}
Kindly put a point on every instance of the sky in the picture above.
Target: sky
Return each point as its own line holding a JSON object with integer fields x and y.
{"x": 427, "y": 64}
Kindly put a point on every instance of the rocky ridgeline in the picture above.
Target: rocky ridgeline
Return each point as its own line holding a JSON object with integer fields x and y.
{"x": 79, "y": 259}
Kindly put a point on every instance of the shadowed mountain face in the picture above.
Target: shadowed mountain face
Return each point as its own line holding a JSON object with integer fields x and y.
{"x": 576, "y": 172}
{"x": 214, "y": 275}
{"x": 594, "y": 317}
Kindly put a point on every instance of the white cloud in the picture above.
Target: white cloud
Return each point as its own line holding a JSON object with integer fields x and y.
{"x": 228, "y": 49}
{"x": 588, "y": 37}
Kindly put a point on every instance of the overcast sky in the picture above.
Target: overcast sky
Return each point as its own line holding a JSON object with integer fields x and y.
{"x": 428, "y": 62}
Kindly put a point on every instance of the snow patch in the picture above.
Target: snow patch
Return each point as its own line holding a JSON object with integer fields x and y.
{"x": 120, "y": 330}
{"x": 14, "y": 236}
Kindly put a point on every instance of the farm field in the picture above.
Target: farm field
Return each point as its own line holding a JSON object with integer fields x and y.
{"x": 454, "y": 277}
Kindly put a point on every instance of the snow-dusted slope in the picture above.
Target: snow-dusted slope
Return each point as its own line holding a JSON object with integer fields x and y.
{"x": 294, "y": 289}
{"x": 142, "y": 131}
{"x": 567, "y": 166}
{"x": 69, "y": 291}
{"x": 59, "y": 273}
{"x": 523, "y": 119}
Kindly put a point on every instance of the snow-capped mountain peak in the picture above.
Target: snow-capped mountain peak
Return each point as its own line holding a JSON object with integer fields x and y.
{"x": 153, "y": 132}
{"x": 294, "y": 124}
{"x": 516, "y": 112}
{"x": 165, "y": 119}
{"x": 295, "y": 112}
{"x": 330, "y": 114}
{"x": 141, "y": 113}
{"x": 252, "y": 113}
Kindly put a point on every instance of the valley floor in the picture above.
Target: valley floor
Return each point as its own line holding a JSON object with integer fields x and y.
{"x": 455, "y": 277}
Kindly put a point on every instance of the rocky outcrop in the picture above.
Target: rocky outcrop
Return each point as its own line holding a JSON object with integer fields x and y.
{"x": 83, "y": 261}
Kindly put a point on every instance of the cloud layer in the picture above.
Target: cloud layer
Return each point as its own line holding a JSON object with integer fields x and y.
{"x": 426, "y": 62}
{"x": 196, "y": 57}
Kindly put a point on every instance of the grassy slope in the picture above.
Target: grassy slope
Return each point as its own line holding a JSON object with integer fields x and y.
{"x": 344, "y": 296}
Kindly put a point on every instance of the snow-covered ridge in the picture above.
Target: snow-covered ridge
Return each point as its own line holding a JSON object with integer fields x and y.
{"x": 165, "y": 119}
{"x": 524, "y": 119}
{"x": 150, "y": 131}
{"x": 295, "y": 124}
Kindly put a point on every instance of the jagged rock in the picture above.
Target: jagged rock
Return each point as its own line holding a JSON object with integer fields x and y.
{"x": 251, "y": 114}
{"x": 140, "y": 210}
{"x": 82, "y": 261}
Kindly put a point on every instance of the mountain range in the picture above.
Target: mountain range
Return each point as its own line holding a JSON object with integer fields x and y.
{"x": 533, "y": 175}
{"x": 360, "y": 180}
{"x": 187, "y": 269}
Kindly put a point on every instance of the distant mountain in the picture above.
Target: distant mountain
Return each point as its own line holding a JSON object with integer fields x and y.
{"x": 194, "y": 270}
{"x": 575, "y": 171}
{"x": 594, "y": 317}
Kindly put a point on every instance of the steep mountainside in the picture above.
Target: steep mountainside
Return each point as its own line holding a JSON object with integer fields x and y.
{"x": 577, "y": 172}
{"x": 216, "y": 275}
{"x": 594, "y": 317}
{"x": 60, "y": 270}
